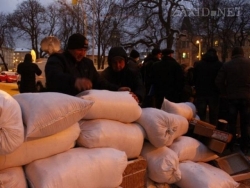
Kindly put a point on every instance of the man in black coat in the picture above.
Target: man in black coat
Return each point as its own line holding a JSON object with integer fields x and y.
{"x": 28, "y": 72}
{"x": 233, "y": 80}
{"x": 70, "y": 72}
{"x": 167, "y": 79}
{"x": 207, "y": 93}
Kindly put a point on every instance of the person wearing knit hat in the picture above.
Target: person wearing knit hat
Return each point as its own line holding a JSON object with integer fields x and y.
{"x": 71, "y": 72}
{"x": 134, "y": 54}
{"x": 156, "y": 52}
{"x": 167, "y": 79}
{"x": 167, "y": 52}
{"x": 133, "y": 61}
{"x": 233, "y": 81}
{"x": 77, "y": 41}
{"x": 119, "y": 73}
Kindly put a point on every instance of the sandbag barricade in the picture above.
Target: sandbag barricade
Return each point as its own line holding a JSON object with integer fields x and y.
{"x": 47, "y": 113}
{"x": 11, "y": 125}
{"x": 204, "y": 175}
{"x": 188, "y": 148}
{"x": 119, "y": 106}
{"x": 78, "y": 168}
{"x": 13, "y": 178}
{"x": 162, "y": 127}
{"x": 41, "y": 148}
{"x": 102, "y": 133}
{"x": 163, "y": 164}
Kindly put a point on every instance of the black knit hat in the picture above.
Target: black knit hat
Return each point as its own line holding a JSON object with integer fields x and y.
{"x": 156, "y": 51}
{"x": 134, "y": 54}
{"x": 77, "y": 41}
{"x": 237, "y": 51}
{"x": 167, "y": 51}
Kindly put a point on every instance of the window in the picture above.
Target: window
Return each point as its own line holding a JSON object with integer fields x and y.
{"x": 216, "y": 43}
{"x": 185, "y": 55}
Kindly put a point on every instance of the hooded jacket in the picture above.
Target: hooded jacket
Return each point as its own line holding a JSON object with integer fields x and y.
{"x": 28, "y": 72}
{"x": 125, "y": 77}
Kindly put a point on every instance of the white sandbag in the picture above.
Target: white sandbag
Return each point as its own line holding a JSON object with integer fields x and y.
{"x": 185, "y": 109}
{"x": 11, "y": 124}
{"x": 152, "y": 184}
{"x": 13, "y": 178}
{"x": 101, "y": 133}
{"x": 47, "y": 113}
{"x": 41, "y": 148}
{"x": 188, "y": 148}
{"x": 163, "y": 164}
{"x": 119, "y": 106}
{"x": 162, "y": 127}
{"x": 78, "y": 168}
{"x": 203, "y": 175}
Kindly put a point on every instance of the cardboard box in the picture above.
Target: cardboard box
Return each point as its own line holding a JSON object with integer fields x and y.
{"x": 216, "y": 145}
{"x": 236, "y": 165}
{"x": 135, "y": 174}
{"x": 202, "y": 128}
{"x": 222, "y": 136}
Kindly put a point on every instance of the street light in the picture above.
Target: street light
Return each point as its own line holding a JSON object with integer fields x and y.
{"x": 199, "y": 43}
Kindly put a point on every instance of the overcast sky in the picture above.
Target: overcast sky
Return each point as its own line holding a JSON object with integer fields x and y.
{"x": 8, "y": 6}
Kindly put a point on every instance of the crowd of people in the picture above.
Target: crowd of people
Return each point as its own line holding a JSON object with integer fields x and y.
{"x": 219, "y": 90}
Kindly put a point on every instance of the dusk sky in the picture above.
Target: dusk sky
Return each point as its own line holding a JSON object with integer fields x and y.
{"x": 8, "y": 6}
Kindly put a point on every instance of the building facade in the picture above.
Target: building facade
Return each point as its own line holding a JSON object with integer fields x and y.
{"x": 8, "y": 58}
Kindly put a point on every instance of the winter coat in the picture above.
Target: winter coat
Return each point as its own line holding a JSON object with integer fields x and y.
{"x": 62, "y": 70}
{"x": 146, "y": 71}
{"x": 233, "y": 79}
{"x": 168, "y": 79}
{"x": 205, "y": 73}
{"x": 126, "y": 77}
{"x": 28, "y": 72}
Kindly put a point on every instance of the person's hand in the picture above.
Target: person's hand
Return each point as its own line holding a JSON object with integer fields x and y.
{"x": 83, "y": 84}
{"x": 124, "y": 89}
{"x": 135, "y": 97}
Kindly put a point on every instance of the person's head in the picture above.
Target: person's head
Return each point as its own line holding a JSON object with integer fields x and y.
{"x": 156, "y": 52}
{"x": 237, "y": 51}
{"x": 117, "y": 58}
{"x": 77, "y": 46}
{"x": 167, "y": 52}
{"x": 210, "y": 55}
{"x": 135, "y": 55}
{"x": 28, "y": 58}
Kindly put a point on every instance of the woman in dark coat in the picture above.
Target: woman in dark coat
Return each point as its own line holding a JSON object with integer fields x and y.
{"x": 28, "y": 72}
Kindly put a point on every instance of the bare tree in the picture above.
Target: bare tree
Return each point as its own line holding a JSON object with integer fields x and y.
{"x": 154, "y": 23}
{"x": 6, "y": 37}
{"x": 28, "y": 20}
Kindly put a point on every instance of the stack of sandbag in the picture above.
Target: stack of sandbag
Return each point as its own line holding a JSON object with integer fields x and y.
{"x": 111, "y": 122}
{"x": 36, "y": 126}
{"x": 167, "y": 148}
{"x": 185, "y": 109}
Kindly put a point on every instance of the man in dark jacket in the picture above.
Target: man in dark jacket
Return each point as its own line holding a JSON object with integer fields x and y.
{"x": 120, "y": 74}
{"x": 167, "y": 79}
{"x": 233, "y": 81}
{"x": 28, "y": 72}
{"x": 133, "y": 59}
{"x": 71, "y": 72}
{"x": 207, "y": 93}
{"x": 146, "y": 71}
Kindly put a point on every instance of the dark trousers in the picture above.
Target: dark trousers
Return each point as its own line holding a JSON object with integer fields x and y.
{"x": 212, "y": 103}
{"x": 241, "y": 106}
